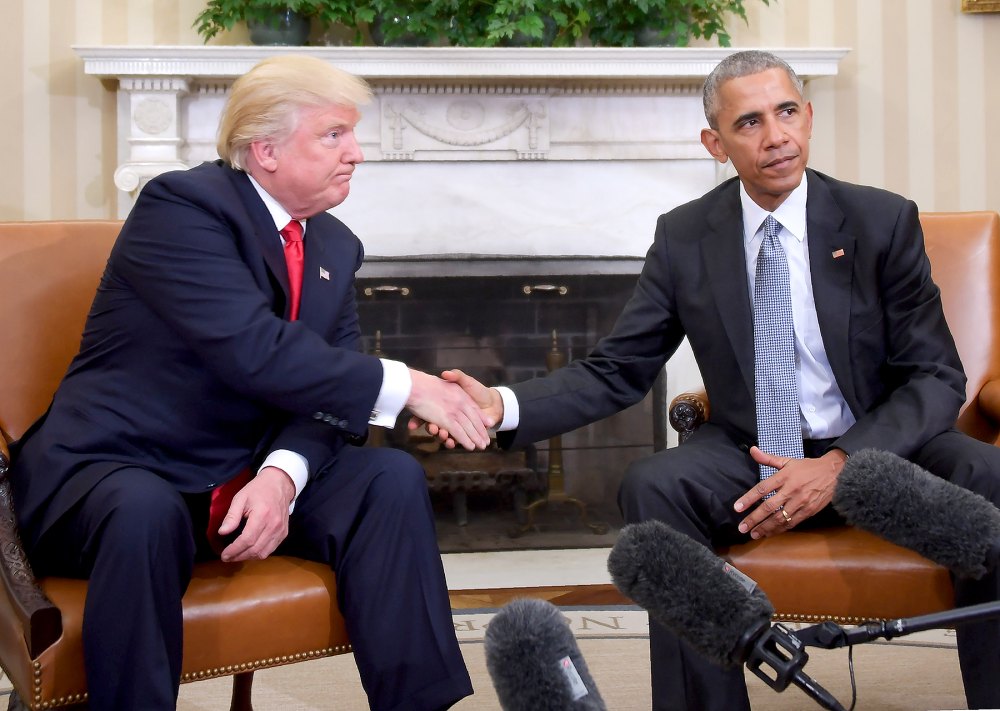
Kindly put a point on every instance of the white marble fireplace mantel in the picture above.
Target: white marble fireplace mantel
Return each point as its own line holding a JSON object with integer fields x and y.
{"x": 526, "y": 151}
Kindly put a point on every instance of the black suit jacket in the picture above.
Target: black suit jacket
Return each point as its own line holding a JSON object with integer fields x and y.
{"x": 187, "y": 366}
{"x": 879, "y": 314}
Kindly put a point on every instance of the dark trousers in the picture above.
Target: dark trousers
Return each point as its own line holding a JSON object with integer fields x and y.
{"x": 367, "y": 514}
{"x": 693, "y": 488}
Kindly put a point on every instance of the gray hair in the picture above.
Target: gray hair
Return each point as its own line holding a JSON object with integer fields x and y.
{"x": 740, "y": 64}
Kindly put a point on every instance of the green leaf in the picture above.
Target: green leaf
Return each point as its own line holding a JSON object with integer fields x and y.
{"x": 485, "y": 23}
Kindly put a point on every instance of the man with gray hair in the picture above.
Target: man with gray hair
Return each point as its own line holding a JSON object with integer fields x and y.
{"x": 216, "y": 406}
{"x": 810, "y": 308}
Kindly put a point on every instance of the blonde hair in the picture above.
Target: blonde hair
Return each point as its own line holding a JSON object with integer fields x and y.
{"x": 265, "y": 102}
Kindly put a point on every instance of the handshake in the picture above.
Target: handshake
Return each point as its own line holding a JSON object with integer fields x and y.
{"x": 456, "y": 408}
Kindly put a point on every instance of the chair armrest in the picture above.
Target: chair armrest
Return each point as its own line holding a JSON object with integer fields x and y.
{"x": 40, "y": 620}
{"x": 989, "y": 400}
{"x": 687, "y": 412}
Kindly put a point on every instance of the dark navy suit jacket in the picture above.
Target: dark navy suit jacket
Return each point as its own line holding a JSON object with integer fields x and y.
{"x": 188, "y": 366}
{"x": 879, "y": 313}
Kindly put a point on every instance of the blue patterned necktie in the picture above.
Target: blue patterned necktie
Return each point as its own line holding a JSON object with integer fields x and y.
{"x": 779, "y": 429}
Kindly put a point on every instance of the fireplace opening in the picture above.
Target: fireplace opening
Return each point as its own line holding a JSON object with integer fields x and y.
{"x": 503, "y": 320}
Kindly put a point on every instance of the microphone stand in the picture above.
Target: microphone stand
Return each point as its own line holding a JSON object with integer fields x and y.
{"x": 830, "y": 635}
{"x": 776, "y": 650}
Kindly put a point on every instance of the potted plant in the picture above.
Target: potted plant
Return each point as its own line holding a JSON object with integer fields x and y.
{"x": 479, "y": 23}
{"x": 557, "y": 23}
{"x": 629, "y": 23}
{"x": 613, "y": 23}
{"x": 406, "y": 22}
{"x": 488, "y": 23}
{"x": 279, "y": 21}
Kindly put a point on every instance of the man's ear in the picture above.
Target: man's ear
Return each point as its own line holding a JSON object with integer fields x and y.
{"x": 265, "y": 154}
{"x": 713, "y": 144}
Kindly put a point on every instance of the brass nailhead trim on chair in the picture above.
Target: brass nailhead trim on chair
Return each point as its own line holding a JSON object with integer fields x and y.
{"x": 264, "y": 663}
{"x": 62, "y": 701}
{"x": 190, "y": 676}
{"x": 840, "y": 619}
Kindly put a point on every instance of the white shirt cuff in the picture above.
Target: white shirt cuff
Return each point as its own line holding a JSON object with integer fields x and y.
{"x": 511, "y": 411}
{"x": 392, "y": 396}
{"x": 294, "y": 465}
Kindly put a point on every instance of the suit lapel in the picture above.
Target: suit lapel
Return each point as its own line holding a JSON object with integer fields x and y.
{"x": 831, "y": 266}
{"x": 261, "y": 223}
{"x": 724, "y": 257}
{"x": 319, "y": 275}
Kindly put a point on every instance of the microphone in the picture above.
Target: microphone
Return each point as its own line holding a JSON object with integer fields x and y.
{"x": 891, "y": 497}
{"x": 689, "y": 590}
{"x": 534, "y": 661}
{"x": 709, "y": 604}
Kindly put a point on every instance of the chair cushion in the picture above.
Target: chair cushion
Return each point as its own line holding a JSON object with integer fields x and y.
{"x": 816, "y": 575}
{"x": 238, "y": 617}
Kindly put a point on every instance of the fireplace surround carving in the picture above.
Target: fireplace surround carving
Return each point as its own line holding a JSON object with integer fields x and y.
{"x": 540, "y": 151}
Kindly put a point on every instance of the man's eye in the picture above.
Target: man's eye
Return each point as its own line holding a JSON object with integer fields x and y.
{"x": 334, "y": 134}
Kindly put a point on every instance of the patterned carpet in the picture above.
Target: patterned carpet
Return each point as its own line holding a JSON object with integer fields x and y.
{"x": 916, "y": 672}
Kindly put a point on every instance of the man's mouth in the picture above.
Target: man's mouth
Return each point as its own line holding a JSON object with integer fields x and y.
{"x": 779, "y": 162}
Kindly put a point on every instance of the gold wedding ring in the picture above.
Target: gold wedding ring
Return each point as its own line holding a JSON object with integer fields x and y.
{"x": 788, "y": 519}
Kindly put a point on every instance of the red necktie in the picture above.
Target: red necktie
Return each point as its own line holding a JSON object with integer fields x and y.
{"x": 295, "y": 259}
{"x": 222, "y": 496}
{"x": 222, "y": 499}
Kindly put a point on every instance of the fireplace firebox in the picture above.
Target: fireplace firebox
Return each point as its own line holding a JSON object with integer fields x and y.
{"x": 503, "y": 320}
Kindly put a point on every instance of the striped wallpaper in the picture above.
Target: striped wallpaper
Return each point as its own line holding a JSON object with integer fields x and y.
{"x": 908, "y": 112}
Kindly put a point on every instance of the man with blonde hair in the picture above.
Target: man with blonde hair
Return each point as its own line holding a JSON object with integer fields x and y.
{"x": 221, "y": 358}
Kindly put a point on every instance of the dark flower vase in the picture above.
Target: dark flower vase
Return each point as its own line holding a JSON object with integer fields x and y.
{"x": 389, "y": 31}
{"x": 286, "y": 28}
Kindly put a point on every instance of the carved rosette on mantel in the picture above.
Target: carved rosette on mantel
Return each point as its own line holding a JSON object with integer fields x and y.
{"x": 154, "y": 141}
{"x": 619, "y": 109}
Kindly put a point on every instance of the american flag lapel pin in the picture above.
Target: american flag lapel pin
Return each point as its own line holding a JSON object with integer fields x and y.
{"x": 324, "y": 274}
{"x": 838, "y": 253}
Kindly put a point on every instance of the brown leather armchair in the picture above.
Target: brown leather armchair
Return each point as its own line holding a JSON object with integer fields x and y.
{"x": 848, "y": 575}
{"x": 237, "y": 617}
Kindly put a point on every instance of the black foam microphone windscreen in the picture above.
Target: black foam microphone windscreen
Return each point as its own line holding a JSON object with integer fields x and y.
{"x": 534, "y": 660}
{"x": 891, "y": 497}
{"x": 690, "y": 591}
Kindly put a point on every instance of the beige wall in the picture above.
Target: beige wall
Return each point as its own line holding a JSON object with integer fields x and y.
{"x": 908, "y": 111}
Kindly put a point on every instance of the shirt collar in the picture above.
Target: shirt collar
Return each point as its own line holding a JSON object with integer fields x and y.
{"x": 791, "y": 213}
{"x": 278, "y": 213}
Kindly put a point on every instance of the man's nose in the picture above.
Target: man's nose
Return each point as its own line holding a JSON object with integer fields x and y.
{"x": 776, "y": 133}
{"x": 353, "y": 153}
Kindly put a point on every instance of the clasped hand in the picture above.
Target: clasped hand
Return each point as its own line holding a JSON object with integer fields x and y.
{"x": 801, "y": 488}
{"x": 487, "y": 402}
{"x": 449, "y": 410}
